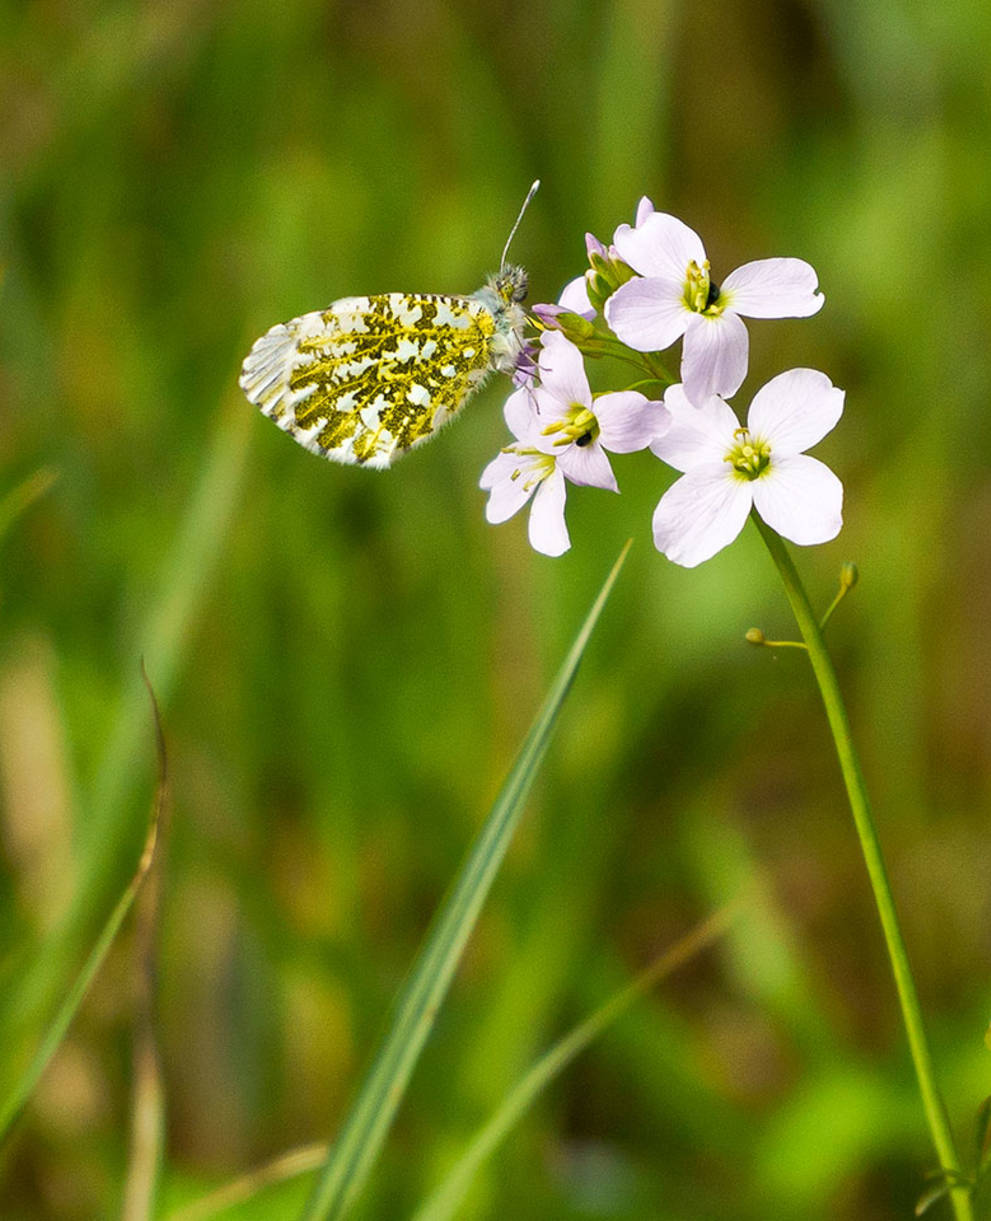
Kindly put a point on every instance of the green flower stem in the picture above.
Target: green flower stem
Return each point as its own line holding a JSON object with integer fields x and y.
{"x": 822, "y": 665}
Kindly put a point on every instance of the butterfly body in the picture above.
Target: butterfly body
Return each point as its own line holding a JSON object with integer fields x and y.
{"x": 366, "y": 379}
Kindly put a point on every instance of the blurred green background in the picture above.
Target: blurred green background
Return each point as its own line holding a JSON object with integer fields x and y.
{"x": 347, "y": 661}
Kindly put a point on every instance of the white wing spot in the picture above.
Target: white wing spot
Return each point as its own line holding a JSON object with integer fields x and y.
{"x": 371, "y": 413}
{"x": 445, "y": 316}
{"x": 407, "y": 317}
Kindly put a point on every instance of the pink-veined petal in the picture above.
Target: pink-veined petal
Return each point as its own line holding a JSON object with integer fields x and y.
{"x": 648, "y": 315}
{"x": 714, "y": 356}
{"x": 562, "y": 370}
{"x": 701, "y": 513}
{"x": 696, "y": 435}
{"x": 645, "y": 208}
{"x": 574, "y": 298}
{"x": 628, "y": 421}
{"x": 519, "y": 413}
{"x": 795, "y": 410}
{"x": 660, "y": 245}
{"x": 801, "y": 498}
{"x": 588, "y": 466}
{"x": 773, "y": 288}
{"x": 547, "y": 531}
{"x": 506, "y": 494}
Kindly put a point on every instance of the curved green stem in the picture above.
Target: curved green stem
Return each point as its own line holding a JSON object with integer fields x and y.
{"x": 822, "y": 665}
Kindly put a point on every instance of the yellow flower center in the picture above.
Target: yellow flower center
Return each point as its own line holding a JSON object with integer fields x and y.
{"x": 750, "y": 457}
{"x": 701, "y": 291}
{"x": 578, "y": 426}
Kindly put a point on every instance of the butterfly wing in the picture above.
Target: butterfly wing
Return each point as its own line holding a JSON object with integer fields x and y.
{"x": 364, "y": 380}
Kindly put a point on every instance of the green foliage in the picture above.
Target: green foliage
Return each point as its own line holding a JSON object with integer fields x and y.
{"x": 358, "y": 1144}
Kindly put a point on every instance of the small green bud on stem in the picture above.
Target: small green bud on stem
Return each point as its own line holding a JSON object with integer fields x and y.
{"x": 755, "y": 636}
{"x": 849, "y": 576}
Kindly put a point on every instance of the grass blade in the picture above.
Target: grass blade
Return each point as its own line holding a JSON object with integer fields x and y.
{"x": 445, "y": 1201}
{"x": 35, "y": 977}
{"x": 286, "y": 1166}
{"x": 370, "y": 1116}
{"x": 148, "y": 1091}
{"x": 20, "y": 498}
{"x": 17, "y": 1097}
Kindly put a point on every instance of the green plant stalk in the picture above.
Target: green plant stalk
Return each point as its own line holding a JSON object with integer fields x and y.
{"x": 822, "y": 666}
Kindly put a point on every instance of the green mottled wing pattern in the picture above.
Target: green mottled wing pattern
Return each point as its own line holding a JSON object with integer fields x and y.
{"x": 369, "y": 377}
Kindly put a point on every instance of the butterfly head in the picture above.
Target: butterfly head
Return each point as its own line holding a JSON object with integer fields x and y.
{"x": 510, "y": 284}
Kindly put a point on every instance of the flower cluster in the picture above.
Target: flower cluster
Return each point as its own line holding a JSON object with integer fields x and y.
{"x": 649, "y": 288}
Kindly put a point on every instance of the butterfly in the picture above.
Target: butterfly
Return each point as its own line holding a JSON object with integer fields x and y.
{"x": 366, "y": 379}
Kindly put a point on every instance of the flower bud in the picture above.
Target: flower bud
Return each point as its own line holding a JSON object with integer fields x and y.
{"x": 593, "y": 246}
{"x": 572, "y": 326}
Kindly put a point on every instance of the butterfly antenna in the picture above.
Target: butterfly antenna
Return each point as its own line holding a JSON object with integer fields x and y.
{"x": 512, "y": 233}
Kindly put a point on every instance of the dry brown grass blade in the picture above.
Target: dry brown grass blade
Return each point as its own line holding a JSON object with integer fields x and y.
{"x": 148, "y": 1098}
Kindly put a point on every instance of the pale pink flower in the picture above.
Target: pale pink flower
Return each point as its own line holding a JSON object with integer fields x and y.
{"x": 729, "y": 469}
{"x": 674, "y": 296}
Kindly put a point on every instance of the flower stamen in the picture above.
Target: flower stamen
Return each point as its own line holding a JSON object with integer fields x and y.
{"x": 701, "y": 291}
{"x": 535, "y": 469}
{"x": 750, "y": 457}
{"x": 579, "y": 426}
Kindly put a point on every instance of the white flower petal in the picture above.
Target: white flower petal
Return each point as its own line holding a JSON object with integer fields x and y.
{"x": 800, "y": 498}
{"x": 547, "y": 531}
{"x": 549, "y": 409}
{"x": 588, "y": 466}
{"x": 714, "y": 356}
{"x": 519, "y": 413}
{"x": 562, "y": 371}
{"x": 645, "y": 208}
{"x": 506, "y": 494}
{"x": 701, "y": 514}
{"x": 795, "y": 410}
{"x": 774, "y": 288}
{"x": 493, "y": 472}
{"x": 648, "y": 315}
{"x": 661, "y": 245}
{"x": 628, "y": 421}
{"x": 574, "y": 298}
{"x": 697, "y": 435}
